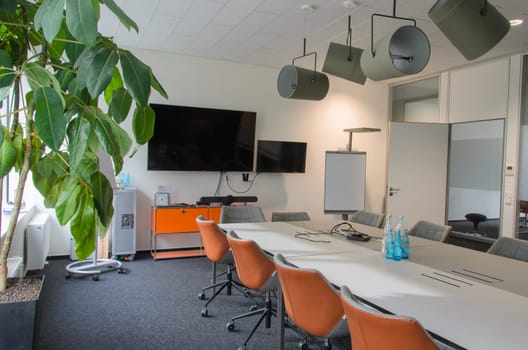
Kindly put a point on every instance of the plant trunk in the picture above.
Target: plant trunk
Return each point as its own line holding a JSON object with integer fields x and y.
{"x": 6, "y": 245}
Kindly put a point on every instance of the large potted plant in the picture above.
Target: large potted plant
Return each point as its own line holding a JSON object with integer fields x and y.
{"x": 55, "y": 67}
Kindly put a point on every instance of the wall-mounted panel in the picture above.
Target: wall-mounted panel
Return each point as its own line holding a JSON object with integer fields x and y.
{"x": 479, "y": 92}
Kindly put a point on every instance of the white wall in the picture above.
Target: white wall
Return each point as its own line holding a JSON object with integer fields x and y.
{"x": 208, "y": 83}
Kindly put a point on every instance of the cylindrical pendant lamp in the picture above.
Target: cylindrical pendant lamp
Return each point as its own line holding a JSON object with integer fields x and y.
{"x": 343, "y": 61}
{"x": 406, "y": 51}
{"x": 303, "y": 84}
{"x": 473, "y": 26}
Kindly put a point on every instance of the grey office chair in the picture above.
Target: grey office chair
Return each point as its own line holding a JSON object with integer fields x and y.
{"x": 367, "y": 218}
{"x": 290, "y": 216}
{"x": 511, "y": 248}
{"x": 237, "y": 214}
{"x": 429, "y": 230}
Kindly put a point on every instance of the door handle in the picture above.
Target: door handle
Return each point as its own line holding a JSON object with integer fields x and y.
{"x": 393, "y": 191}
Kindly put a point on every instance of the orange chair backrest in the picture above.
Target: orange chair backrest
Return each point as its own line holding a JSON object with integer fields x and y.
{"x": 370, "y": 330}
{"x": 213, "y": 239}
{"x": 253, "y": 266}
{"x": 310, "y": 301}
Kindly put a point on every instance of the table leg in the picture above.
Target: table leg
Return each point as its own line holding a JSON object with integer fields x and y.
{"x": 280, "y": 318}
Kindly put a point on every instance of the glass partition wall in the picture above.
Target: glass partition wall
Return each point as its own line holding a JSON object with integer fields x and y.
{"x": 475, "y": 177}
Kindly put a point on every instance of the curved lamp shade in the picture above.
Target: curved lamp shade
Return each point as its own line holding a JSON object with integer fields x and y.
{"x": 337, "y": 63}
{"x": 472, "y": 33}
{"x": 299, "y": 83}
{"x": 406, "y": 51}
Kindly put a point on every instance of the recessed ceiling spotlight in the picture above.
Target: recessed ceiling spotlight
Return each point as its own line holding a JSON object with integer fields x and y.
{"x": 516, "y": 22}
{"x": 307, "y": 7}
{"x": 349, "y": 4}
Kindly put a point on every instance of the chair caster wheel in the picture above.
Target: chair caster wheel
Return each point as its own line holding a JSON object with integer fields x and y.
{"x": 201, "y": 296}
{"x": 253, "y": 308}
{"x": 230, "y": 326}
{"x": 95, "y": 277}
{"x": 327, "y": 345}
{"x": 242, "y": 347}
{"x": 205, "y": 313}
{"x": 303, "y": 345}
{"x": 67, "y": 276}
{"x": 121, "y": 270}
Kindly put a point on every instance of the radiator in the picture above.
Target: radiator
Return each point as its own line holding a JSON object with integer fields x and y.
{"x": 37, "y": 242}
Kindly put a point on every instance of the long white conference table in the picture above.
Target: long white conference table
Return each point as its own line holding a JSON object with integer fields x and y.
{"x": 468, "y": 299}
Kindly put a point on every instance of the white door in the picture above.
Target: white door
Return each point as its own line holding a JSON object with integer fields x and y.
{"x": 417, "y": 172}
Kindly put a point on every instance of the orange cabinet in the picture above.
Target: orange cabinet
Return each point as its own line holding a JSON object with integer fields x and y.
{"x": 168, "y": 220}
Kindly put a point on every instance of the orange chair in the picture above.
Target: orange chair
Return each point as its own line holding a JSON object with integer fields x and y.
{"x": 311, "y": 302}
{"x": 217, "y": 250}
{"x": 256, "y": 270}
{"x": 372, "y": 330}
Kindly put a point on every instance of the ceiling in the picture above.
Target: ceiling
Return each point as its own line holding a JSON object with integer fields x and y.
{"x": 270, "y": 32}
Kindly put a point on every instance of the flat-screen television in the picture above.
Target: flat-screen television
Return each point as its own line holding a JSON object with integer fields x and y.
{"x": 201, "y": 139}
{"x": 281, "y": 156}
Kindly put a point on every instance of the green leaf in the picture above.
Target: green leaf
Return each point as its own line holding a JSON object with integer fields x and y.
{"x": 143, "y": 124}
{"x": 120, "y": 105}
{"x": 78, "y": 132}
{"x": 4, "y": 92}
{"x": 49, "y": 117}
{"x": 103, "y": 195}
{"x": 2, "y": 136}
{"x": 8, "y": 157}
{"x": 87, "y": 167}
{"x": 101, "y": 71}
{"x": 136, "y": 76}
{"x": 8, "y": 6}
{"x": 73, "y": 48}
{"x": 57, "y": 46}
{"x": 125, "y": 20}
{"x": 81, "y": 19}
{"x": 113, "y": 139}
{"x": 156, "y": 85}
{"x": 18, "y": 144}
{"x": 37, "y": 76}
{"x": 66, "y": 205}
{"x": 49, "y": 18}
{"x": 115, "y": 83}
{"x": 83, "y": 64}
{"x": 65, "y": 75}
{"x": 82, "y": 225}
{"x": 7, "y": 75}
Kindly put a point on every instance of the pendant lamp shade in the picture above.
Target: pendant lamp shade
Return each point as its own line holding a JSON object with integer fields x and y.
{"x": 303, "y": 84}
{"x": 474, "y": 27}
{"x": 343, "y": 61}
{"x": 406, "y": 51}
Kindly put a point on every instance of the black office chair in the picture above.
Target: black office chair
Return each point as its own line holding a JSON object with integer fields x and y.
{"x": 476, "y": 219}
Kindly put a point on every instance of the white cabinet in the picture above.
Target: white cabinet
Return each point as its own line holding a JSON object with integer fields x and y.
{"x": 124, "y": 223}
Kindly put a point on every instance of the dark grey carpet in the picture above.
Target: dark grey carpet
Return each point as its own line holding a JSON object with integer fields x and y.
{"x": 153, "y": 306}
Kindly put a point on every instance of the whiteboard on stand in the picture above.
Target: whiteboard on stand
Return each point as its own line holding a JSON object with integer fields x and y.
{"x": 345, "y": 175}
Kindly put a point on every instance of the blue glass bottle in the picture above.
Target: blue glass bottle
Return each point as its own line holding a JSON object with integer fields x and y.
{"x": 404, "y": 238}
{"x": 397, "y": 243}
{"x": 387, "y": 244}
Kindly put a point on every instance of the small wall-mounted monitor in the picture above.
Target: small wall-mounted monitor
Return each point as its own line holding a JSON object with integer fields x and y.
{"x": 281, "y": 156}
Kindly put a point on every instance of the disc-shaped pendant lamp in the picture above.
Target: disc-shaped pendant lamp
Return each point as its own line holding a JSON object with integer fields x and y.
{"x": 406, "y": 51}
{"x": 301, "y": 83}
{"x": 344, "y": 60}
{"x": 473, "y": 26}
